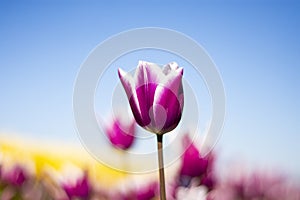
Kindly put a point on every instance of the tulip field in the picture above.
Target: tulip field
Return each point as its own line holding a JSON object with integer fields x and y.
{"x": 29, "y": 171}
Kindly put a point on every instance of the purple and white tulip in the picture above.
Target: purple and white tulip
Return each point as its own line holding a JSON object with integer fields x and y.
{"x": 155, "y": 95}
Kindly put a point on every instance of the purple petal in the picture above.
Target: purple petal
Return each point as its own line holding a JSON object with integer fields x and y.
{"x": 170, "y": 102}
{"x": 145, "y": 95}
{"x": 170, "y": 96}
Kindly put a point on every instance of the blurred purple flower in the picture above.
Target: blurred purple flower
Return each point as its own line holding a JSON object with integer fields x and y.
{"x": 148, "y": 192}
{"x": 155, "y": 95}
{"x": 80, "y": 188}
{"x": 195, "y": 169}
{"x": 193, "y": 164}
{"x": 15, "y": 176}
{"x": 121, "y": 135}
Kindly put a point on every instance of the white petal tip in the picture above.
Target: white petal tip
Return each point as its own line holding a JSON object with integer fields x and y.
{"x": 180, "y": 70}
{"x": 173, "y": 65}
{"x": 121, "y": 73}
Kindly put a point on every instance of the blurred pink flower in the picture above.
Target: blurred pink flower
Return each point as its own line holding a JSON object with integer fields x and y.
{"x": 80, "y": 188}
{"x": 155, "y": 95}
{"x": 121, "y": 135}
{"x": 193, "y": 164}
{"x": 15, "y": 176}
{"x": 148, "y": 192}
{"x": 196, "y": 169}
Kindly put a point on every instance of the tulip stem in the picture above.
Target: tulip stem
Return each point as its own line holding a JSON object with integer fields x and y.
{"x": 161, "y": 167}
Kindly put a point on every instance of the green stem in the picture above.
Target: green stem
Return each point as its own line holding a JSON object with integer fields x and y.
{"x": 161, "y": 167}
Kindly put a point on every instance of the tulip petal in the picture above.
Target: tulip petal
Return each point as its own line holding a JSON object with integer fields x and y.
{"x": 173, "y": 81}
{"x": 129, "y": 86}
{"x": 172, "y": 67}
{"x": 127, "y": 81}
{"x": 147, "y": 72}
{"x": 170, "y": 102}
{"x": 145, "y": 96}
{"x": 147, "y": 76}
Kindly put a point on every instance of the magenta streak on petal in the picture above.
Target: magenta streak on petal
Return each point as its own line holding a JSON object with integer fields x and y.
{"x": 145, "y": 94}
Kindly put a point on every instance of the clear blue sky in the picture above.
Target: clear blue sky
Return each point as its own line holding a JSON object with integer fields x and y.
{"x": 255, "y": 45}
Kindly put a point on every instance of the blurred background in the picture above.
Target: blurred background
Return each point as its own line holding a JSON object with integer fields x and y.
{"x": 255, "y": 45}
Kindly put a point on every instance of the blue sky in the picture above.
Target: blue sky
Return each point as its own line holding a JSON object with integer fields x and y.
{"x": 255, "y": 45}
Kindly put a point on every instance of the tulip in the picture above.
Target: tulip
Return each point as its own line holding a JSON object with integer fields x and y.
{"x": 156, "y": 99}
{"x": 121, "y": 135}
{"x": 193, "y": 164}
{"x": 80, "y": 188}
{"x": 196, "y": 167}
{"x": 15, "y": 176}
{"x": 155, "y": 95}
